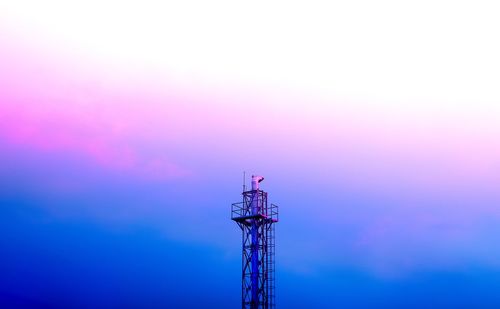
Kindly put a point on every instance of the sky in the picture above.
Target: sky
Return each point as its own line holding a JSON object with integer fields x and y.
{"x": 125, "y": 128}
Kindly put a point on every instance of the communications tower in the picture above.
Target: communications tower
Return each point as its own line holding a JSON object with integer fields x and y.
{"x": 256, "y": 219}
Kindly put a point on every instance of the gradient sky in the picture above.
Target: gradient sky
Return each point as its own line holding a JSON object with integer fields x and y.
{"x": 125, "y": 127}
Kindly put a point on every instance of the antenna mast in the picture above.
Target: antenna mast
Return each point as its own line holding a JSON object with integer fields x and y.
{"x": 256, "y": 219}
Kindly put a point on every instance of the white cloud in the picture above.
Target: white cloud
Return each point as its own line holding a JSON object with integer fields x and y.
{"x": 386, "y": 52}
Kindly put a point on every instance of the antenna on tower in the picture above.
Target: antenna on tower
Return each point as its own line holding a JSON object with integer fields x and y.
{"x": 244, "y": 182}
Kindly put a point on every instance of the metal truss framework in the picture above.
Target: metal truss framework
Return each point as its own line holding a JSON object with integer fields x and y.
{"x": 257, "y": 225}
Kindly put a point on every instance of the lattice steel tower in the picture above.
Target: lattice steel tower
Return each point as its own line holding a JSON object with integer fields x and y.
{"x": 256, "y": 219}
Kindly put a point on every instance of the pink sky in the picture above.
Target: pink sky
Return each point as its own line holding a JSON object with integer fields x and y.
{"x": 161, "y": 121}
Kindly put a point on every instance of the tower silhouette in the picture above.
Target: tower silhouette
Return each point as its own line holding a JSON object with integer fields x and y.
{"x": 256, "y": 219}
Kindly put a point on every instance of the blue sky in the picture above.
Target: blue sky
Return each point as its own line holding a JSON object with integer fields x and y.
{"x": 125, "y": 127}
